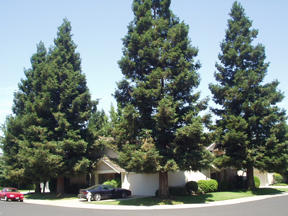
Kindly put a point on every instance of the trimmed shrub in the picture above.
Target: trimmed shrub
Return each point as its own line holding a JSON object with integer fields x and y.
{"x": 178, "y": 191}
{"x": 278, "y": 178}
{"x": 257, "y": 181}
{"x": 207, "y": 186}
{"x": 112, "y": 183}
{"x": 191, "y": 187}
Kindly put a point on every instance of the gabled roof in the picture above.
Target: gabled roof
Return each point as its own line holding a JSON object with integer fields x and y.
{"x": 112, "y": 165}
{"x": 211, "y": 147}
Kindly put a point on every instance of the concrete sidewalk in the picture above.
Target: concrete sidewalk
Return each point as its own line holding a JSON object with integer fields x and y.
{"x": 75, "y": 203}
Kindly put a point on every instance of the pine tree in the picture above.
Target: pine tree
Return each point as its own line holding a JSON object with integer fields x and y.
{"x": 13, "y": 168}
{"x": 52, "y": 109}
{"x": 34, "y": 153}
{"x": 160, "y": 127}
{"x": 251, "y": 129}
{"x": 70, "y": 104}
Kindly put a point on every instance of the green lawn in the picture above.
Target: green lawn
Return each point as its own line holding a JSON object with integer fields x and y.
{"x": 150, "y": 201}
{"x": 50, "y": 196}
{"x": 280, "y": 184}
{"x": 203, "y": 198}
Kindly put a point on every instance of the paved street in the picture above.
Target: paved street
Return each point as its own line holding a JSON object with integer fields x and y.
{"x": 277, "y": 206}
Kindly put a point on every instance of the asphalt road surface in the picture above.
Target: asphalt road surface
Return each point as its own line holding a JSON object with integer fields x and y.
{"x": 277, "y": 206}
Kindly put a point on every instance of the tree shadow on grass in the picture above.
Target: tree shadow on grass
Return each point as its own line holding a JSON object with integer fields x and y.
{"x": 196, "y": 199}
{"x": 49, "y": 196}
{"x": 267, "y": 191}
{"x": 150, "y": 201}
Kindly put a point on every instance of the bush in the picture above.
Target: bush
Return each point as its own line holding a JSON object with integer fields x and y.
{"x": 207, "y": 186}
{"x": 178, "y": 191}
{"x": 191, "y": 187}
{"x": 278, "y": 178}
{"x": 235, "y": 183}
{"x": 257, "y": 182}
{"x": 112, "y": 183}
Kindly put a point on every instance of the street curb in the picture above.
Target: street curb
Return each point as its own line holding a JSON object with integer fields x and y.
{"x": 78, "y": 204}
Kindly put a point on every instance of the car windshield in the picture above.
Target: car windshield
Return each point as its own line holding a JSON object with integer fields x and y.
{"x": 11, "y": 190}
{"x": 106, "y": 187}
{"x": 109, "y": 187}
{"x": 93, "y": 187}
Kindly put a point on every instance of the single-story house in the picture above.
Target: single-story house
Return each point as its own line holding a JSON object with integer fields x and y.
{"x": 146, "y": 184}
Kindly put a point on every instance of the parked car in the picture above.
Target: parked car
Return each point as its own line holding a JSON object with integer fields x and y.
{"x": 11, "y": 194}
{"x": 98, "y": 192}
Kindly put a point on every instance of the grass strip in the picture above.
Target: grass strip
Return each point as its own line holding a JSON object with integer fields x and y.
{"x": 201, "y": 198}
{"x": 173, "y": 200}
{"x": 50, "y": 196}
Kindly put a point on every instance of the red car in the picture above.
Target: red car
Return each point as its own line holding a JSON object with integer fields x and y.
{"x": 11, "y": 194}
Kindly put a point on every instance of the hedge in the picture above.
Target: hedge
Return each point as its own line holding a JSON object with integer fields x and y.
{"x": 257, "y": 182}
{"x": 278, "y": 178}
{"x": 112, "y": 183}
{"x": 207, "y": 186}
{"x": 191, "y": 187}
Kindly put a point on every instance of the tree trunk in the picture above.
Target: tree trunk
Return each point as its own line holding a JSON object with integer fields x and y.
{"x": 163, "y": 185}
{"x": 44, "y": 186}
{"x": 60, "y": 185}
{"x": 250, "y": 178}
{"x": 37, "y": 188}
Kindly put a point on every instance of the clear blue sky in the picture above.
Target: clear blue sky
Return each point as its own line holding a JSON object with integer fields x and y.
{"x": 98, "y": 27}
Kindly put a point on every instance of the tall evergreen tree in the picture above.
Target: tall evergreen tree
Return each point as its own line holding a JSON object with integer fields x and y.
{"x": 26, "y": 132}
{"x": 161, "y": 128}
{"x": 52, "y": 109}
{"x": 251, "y": 129}
{"x": 70, "y": 104}
{"x": 13, "y": 167}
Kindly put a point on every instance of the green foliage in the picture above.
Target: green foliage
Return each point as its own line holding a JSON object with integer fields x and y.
{"x": 157, "y": 95}
{"x": 207, "y": 186}
{"x": 278, "y": 178}
{"x": 251, "y": 129}
{"x": 143, "y": 159}
{"x": 257, "y": 182}
{"x": 48, "y": 136}
{"x": 114, "y": 183}
{"x": 191, "y": 187}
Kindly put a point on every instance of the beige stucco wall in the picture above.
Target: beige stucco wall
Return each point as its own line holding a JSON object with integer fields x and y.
{"x": 141, "y": 184}
{"x": 147, "y": 184}
{"x": 265, "y": 177}
{"x": 180, "y": 178}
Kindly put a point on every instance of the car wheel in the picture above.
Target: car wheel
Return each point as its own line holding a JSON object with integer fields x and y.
{"x": 124, "y": 195}
{"x": 97, "y": 197}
